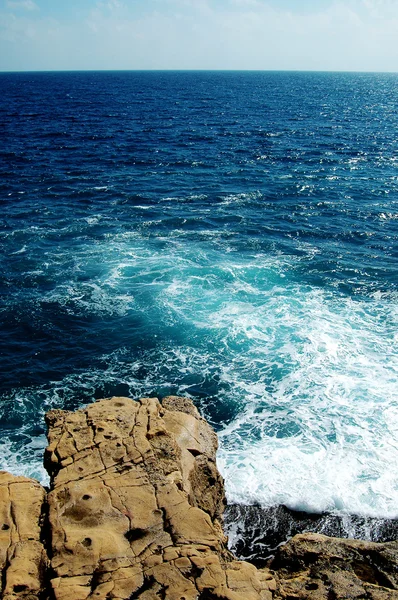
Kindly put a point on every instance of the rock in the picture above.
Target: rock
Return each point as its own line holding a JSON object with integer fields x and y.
{"x": 317, "y": 567}
{"x": 23, "y": 559}
{"x": 255, "y": 531}
{"x": 135, "y": 512}
{"x": 136, "y": 506}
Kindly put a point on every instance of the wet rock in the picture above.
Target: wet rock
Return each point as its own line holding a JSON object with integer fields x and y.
{"x": 316, "y": 567}
{"x": 255, "y": 532}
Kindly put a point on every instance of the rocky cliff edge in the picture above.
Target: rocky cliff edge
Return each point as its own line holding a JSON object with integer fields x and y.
{"x": 135, "y": 512}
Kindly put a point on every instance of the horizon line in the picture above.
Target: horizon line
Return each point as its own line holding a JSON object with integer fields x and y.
{"x": 216, "y": 70}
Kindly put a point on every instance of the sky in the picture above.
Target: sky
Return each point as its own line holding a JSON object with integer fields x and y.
{"x": 320, "y": 35}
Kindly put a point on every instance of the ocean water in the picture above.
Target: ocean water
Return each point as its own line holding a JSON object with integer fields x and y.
{"x": 225, "y": 235}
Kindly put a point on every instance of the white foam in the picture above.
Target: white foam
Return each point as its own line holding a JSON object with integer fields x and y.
{"x": 323, "y": 434}
{"x": 318, "y": 477}
{"x": 312, "y": 375}
{"x": 93, "y": 220}
{"x": 21, "y": 251}
{"x": 97, "y": 298}
{"x": 27, "y": 461}
{"x": 240, "y": 199}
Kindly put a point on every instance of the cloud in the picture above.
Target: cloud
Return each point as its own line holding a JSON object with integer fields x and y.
{"x": 22, "y": 5}
{"x": 205, "y": 34}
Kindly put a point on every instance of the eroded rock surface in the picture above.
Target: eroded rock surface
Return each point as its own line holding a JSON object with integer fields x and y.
{"x": 23, "y": 560}
{"x": 136, "y": 506}
{"x": 135, "y": 513}
{"x": 316, "y": 567}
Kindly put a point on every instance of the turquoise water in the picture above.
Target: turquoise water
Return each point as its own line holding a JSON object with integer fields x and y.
{"x": 230, "y": 236}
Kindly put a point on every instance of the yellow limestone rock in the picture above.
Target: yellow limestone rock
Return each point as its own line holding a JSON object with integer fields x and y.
{"x": 136, "y": 506}
{"x": 22, "y": 557}
{"x": 135, "y": 513}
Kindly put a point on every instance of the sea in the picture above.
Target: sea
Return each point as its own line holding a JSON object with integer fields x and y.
{"x": 227, "y": 236}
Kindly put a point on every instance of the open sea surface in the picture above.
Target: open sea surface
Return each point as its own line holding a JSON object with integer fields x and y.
{"x": 231, "y": 236}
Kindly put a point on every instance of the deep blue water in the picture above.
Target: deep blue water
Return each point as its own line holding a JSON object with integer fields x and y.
{"x": 227, "y": 235}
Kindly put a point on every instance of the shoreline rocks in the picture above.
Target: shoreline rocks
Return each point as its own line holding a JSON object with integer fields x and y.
{"x": 317, "y": 567}
{"x": 135, "y": 511}
{"x": 255, "y": 532}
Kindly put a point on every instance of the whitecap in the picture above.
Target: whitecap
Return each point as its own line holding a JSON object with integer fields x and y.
{"x": 21, "y": 251}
